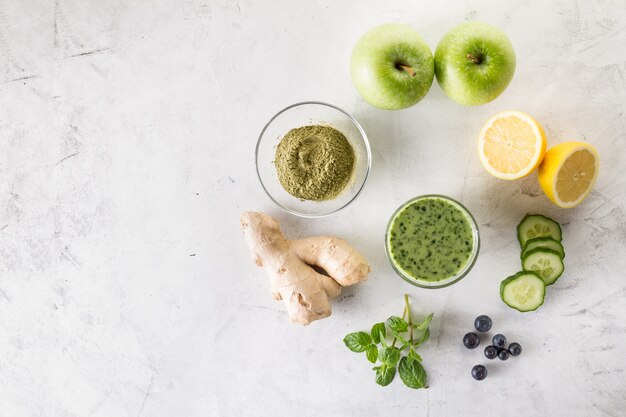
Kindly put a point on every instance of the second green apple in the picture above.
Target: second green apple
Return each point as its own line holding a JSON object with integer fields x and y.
{"x": 474, "y": 63}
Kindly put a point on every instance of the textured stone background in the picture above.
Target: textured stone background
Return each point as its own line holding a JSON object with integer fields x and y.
{"x": 127, "y": 131}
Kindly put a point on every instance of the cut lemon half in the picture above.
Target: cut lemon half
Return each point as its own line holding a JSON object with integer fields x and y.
{"x": 511, "y": 145}
{"x": 568, "y": 172}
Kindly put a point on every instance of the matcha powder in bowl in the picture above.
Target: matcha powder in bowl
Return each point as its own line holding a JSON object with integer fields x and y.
{"x": 312, "y": 159}
{"x": 314, "y": 162}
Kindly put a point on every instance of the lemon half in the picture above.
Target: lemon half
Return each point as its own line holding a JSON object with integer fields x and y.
{"x": 568, "y": 172}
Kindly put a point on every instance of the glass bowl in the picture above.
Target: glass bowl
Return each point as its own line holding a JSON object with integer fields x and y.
{"x": 446, "y": 281}
{"x": 303, "y": 114}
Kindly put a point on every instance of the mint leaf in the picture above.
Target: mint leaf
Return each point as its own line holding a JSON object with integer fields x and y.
{"x": 389, "y": 356}
{"x": 424, "y": 324}
{"x": 397, "y": 323}
{"x": 379, "y": 331}
{"x": 413, "y": 354}
{"x": 382, "y": 339}
{"x": 422, "y": 339}
{"x": 412, "y": 373}
{"x": 372, "y": 353}
{"x": 358, "y": 341}
{"x": 385, "y": 374}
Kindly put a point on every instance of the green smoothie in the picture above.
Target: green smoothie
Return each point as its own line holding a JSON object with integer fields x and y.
{"x": 431, "y": 239}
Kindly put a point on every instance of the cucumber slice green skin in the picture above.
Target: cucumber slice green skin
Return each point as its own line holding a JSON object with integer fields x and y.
{"x": 537, "y": 225}
{"x": 544, "y": 243}
{"x": 551, "y": 257}
{"x": 527, "y": 281}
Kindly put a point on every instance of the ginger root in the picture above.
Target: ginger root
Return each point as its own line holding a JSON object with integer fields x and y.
{"x": 289, "y": 264}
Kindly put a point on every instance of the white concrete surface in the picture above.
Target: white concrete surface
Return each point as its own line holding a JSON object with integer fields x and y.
{"x": 127, "y": 132}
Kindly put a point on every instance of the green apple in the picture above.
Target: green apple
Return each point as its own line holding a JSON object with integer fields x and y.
{"x": 392, "y": 67}
{"x": 474, "y": 63}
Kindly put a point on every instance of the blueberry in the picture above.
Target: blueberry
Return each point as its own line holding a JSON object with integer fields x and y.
{"x": 479, "y": 372}
{"x": 471, "y": 340}
{"x": 499, "y": 341}
{"x": 491, "y": 352}
{"x": 503, "y": 354}
{"x": 515, "y": 349}
{"x": 482, "y": 323}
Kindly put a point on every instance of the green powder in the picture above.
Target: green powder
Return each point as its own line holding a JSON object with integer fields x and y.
{"x": 314, "y": 162}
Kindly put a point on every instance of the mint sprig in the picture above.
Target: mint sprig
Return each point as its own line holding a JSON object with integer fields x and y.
{"x": 388, "y": 358}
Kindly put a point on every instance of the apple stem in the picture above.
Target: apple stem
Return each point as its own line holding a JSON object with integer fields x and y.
{"x": 476, "y": 59}
{"x": 407, "y": 69}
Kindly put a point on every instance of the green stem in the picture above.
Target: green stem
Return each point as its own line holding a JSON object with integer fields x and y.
{"x": 410, "y": 321}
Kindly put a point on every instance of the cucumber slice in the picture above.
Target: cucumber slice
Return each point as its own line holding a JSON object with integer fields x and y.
{"x": 536, "y": 225}
{"x": 524, "y": 291}
{"x": 546, "y": 263}
{"x": 545, "y": 243}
